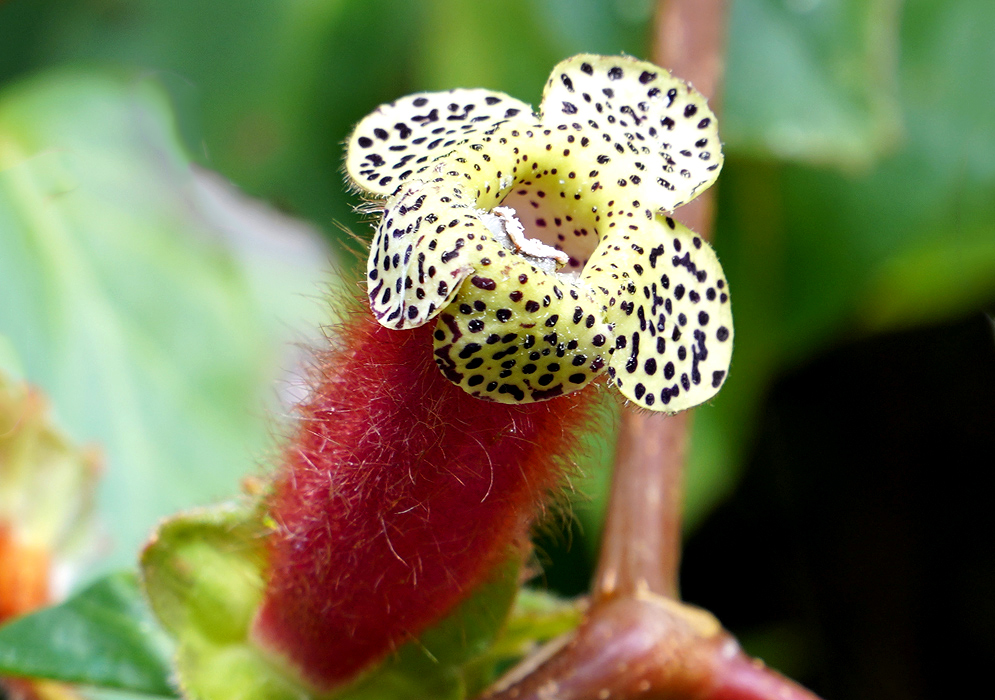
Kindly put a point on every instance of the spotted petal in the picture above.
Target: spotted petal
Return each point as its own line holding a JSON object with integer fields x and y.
{"x": 516, "y": 334}
{"x": 422, "y": 250}
{"x": 669, "y": 303}
{"x": 402, "y": 139}
{"x": 625, "y": 123}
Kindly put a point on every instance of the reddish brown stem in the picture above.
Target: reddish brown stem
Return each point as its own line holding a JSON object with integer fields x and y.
{"x": 640, "y": 549}
{"x": 690, "y": 42}
{"x": 648, "y": 647}
{"x": 638, "y": 640}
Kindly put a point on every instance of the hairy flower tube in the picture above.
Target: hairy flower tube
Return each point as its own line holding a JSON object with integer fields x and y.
{"x": 523, "y": 255}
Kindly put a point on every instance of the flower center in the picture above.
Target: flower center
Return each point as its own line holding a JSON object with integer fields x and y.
{"x": 508, "y": 230}
{"x": 556, "y": 219}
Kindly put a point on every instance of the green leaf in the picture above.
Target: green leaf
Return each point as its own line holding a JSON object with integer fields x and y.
{"x": 10, "y": 364}
{"x": 263, "y": 101}
{"x": 203, "y": 572}
{"x": 511, "y": 45}
{"x": 915, "y": 286}
{"x": 816, "y": 257}
{"x": 103, "y": 636}
{"x": 812, "y": 81}
{"x": 204, "y": 575}
{"x": 470, "y": 629}
{"x": 449, "y": 660}
{"x": 537, "y": 617}
{"x": 135, "y": 297}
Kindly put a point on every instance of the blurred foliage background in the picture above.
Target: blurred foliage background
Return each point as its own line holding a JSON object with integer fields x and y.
{"x": 172, "y": 212}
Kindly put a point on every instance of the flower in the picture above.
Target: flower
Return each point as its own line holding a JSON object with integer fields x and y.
{"x": 534, "y": 252}
{"x": 540, "y": 245}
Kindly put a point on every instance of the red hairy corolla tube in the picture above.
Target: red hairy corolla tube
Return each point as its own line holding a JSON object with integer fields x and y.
{"x": 399, "y": 494}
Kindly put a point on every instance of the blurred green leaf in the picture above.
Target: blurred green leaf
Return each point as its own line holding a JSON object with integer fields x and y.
{"x": 10, "y": 364}
{"x": 130, "y": 301}
{"x": 267, "y": 90}
{"x": 511, "y": 45}
{"x": 812, "y": 80}
{"x": 816, "y": 257}
{"x": 103, "y": 636}
{"x": 915, "y": 286}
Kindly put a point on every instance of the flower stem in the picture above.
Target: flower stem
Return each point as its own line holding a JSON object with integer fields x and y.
{"x": 638, "y": 640}
{"x": 690, "y": 42}
{"x": 640, "y": 548}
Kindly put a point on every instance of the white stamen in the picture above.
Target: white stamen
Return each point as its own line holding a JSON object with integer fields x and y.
{"x": 502, "y": 220}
